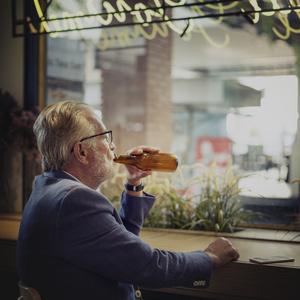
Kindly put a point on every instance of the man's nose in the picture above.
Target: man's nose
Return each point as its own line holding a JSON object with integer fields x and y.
{"x": 112, "y": 146}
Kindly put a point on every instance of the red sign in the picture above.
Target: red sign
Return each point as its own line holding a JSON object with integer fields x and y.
{"x": 209, "y": 148}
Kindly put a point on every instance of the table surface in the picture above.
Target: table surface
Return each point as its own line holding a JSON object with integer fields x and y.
{"x": 240, "y": 279}
{"x": 185, "y": 241}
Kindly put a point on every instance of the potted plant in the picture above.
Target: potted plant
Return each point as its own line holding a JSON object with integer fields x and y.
{"x": 16, "y": 125}
{"x": 209, "y": 200}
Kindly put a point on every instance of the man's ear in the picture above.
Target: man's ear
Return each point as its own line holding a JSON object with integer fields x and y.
{"x": 80, "y": 153}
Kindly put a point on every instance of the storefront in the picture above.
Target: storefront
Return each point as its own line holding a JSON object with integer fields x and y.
{"x": 197, "y": 86}
{"x": 201, "y": 79}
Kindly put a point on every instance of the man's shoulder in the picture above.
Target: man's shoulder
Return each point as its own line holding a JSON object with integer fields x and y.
{"x": 61, "y": 187}
{"x": 58, "y": 184}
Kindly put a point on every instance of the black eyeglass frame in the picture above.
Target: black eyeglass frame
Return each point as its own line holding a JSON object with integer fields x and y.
{"x": 92, "y": 136}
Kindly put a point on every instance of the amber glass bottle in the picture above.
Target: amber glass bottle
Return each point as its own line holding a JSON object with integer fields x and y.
{"x": 160, "y": 162}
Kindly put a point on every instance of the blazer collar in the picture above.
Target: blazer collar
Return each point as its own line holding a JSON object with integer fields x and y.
{"x": 58, "y": 174}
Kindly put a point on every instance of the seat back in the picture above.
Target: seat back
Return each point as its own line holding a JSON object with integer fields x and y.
{"x": 28, "y": 293}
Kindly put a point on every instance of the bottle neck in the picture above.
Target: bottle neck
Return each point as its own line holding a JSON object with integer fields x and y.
{"x": 124, "y": 159}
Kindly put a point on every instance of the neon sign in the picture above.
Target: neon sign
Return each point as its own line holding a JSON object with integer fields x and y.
{"x": 143, "y": 16}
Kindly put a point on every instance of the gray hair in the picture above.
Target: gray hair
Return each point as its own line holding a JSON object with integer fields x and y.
{"x": 58, "y": 127}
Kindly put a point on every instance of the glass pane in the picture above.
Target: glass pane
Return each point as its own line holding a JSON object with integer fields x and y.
{"x": 201, "y": 88}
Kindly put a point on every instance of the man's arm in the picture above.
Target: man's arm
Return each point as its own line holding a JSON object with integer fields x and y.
{"x": 134, "y": 210}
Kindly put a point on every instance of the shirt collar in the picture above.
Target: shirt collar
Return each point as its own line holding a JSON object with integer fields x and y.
{"x": 72, "y": 176}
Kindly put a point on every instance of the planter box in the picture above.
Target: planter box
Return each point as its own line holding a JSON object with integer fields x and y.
{"x": 275, "y": 210}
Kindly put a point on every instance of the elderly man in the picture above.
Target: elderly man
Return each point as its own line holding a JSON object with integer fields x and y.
{"x": 72, "y": 243}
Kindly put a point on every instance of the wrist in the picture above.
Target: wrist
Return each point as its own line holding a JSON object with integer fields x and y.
{"x": 134, "y": 181}
{"x": 136, "y": 187}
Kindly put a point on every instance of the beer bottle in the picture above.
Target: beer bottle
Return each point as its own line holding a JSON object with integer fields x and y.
{"x": 160, "y": 162}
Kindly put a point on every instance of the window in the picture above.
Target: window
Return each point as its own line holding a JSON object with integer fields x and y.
{"x": 211, "y": 87}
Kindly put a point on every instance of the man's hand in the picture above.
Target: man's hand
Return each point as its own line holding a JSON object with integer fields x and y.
{"x": 134, "y": 175}
{"x": 221, "y": 251}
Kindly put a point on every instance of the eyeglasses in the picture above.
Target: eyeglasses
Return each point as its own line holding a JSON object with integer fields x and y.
{"x": 108, "y": 134}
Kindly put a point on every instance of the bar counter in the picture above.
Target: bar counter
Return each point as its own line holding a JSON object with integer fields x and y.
{"x": 237, "y": 280}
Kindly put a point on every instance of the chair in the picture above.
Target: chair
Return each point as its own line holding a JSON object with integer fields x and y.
{"x": 28, "y": 293}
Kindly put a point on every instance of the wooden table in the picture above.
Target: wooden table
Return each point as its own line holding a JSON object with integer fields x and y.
{"x": 9, "y": 229}
{"x": 240, "y": 279}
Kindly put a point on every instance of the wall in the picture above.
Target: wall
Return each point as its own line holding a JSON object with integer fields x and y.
{"x": 11, "y": 80}
{"x": 11, "y": 58}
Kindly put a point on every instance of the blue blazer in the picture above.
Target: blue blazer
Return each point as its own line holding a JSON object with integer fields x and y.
{"x": 73, "y": 244}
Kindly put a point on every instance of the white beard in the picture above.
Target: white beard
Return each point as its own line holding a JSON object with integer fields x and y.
{"x": 102, "y": 170}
